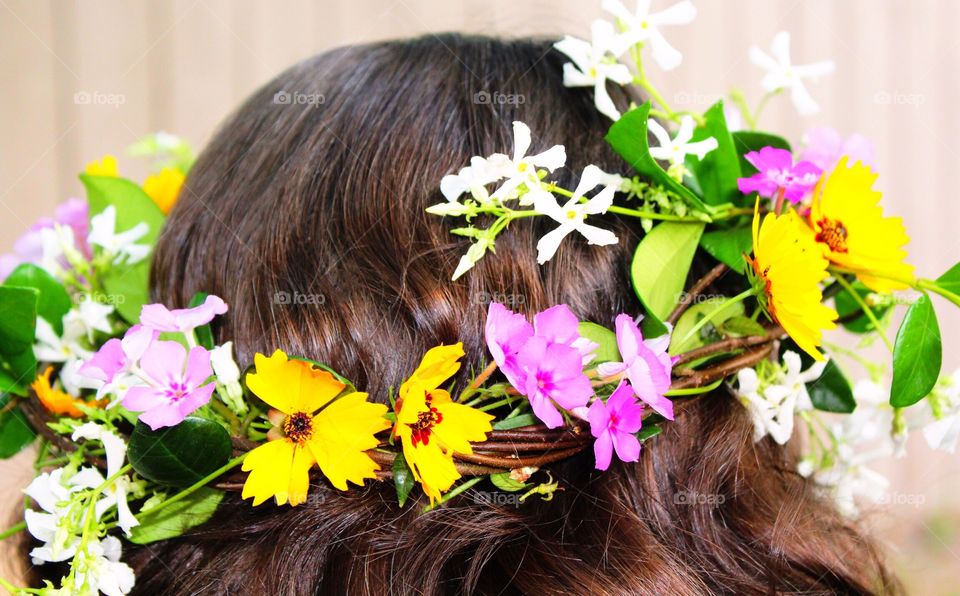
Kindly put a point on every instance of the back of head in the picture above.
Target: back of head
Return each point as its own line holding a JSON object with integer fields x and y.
{"x": 308, "y": 219}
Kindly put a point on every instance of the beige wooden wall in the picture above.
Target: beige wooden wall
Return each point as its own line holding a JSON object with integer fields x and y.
{"x": 182, "y": 65}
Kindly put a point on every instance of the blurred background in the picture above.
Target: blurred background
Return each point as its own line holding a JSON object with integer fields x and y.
{"x": 82, "y": 79}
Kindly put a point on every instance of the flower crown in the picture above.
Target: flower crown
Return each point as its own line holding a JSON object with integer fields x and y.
{"x": 144, "y": 422}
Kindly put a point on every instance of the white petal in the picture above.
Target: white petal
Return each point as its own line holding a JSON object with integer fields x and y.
{"x": 815, "y": 70}
{"x": 603, "y": 100}
{"x": 667, "y": 56}
{"x": 548, "y": 245}
{"x": 662, "y": 136}
{"x": 521, "y": 140}
{"x": 577, "y": 50}
{"x": 601, "y": 202}
{"x": 596, "y": 236}
{"x": 780, "y": 48}
{"x": 589, "y": 179}
{"x": 701, "y": 148}
{"x": 802, "y": 100}
{"x": 762, "y": 59}
{"x": 681, "y": 13}
{"x": 452, "y": 186}
{"x": 551, "y": 159}
{"x": 617, "y": 9}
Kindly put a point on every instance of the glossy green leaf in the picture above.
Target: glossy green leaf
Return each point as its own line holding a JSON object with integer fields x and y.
{"x": 402, "y": 479}
{"x": 203, "y": 333}
{"x": 515, "y": 422}
{"x": 15, "y": 432}
{"x": 718, "y": 171}
{"x": 917, "y": 355}
{"x": 52, "y": 300}
{"x": 847, "y": 307}
{"x": 648, "y": 431}
{"x": 661, "y": 263}
{"x": 950, "y": 281}
{"x": 504, "y": 482}
{"x": 179, "y": 455}
{"x": 693, "y": 315}
{"x": 17, "y": 328}
{"x": 629, "y": 137}
{"x": 605, "y": 338}
{"x": 741, "y": 327}
{"x": 729, "y": 245}
{"x": 746, "y": 141}
{"x": 832, "y": 392}
{"x": 127, "y": 286}
{"x": 174, "y": 520}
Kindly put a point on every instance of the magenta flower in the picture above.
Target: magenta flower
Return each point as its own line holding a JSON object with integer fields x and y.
{"x": 824, "y": 147}
{"x": 176, "y": 384}
{"x": 183, "y": 320}
{"x": 777, "y": 173}
{"x": 614, "y": 425}
{"x": 28, "y": 248}
{"x": 117, "y": 356}
{"x": 552, "y": 376}
{"x": 645, "y": 363}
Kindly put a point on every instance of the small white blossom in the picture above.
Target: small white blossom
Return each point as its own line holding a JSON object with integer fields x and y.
{"x": 116, "y": 494}
{"x": 522, "y": 169}
{"x": 594, "y": 64}
{"x": 642, "y": 26}
{"x": 228, "y": 376}
{"x": 99, "y": 569}
{"x": 50, "y": 347}
{"x": 471, "y": 179}
{"x": 944, "y": 433}
{"x": 121, "y": 245}
{"x": 782, "y": 74}
{"x": 54, "y": 524}
{"x": 88, "y": 317}
{"x": 772, "y": 403}
{"x": 677, "y": 149}
{"x": 849, "y": 480}
{"x": 572, "y": 216}
{"x": 58, "y": 246}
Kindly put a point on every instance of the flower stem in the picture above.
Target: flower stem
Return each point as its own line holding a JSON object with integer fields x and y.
{"x": 13, "y": 530}
{"x": 867, "y": 311}
{"x": 929, "y": 284}
{"x": 453, "y": 493}
{"x": 193, "y": 487}
{"x": 694, "y": 390}
{"x": 713, "y": 313}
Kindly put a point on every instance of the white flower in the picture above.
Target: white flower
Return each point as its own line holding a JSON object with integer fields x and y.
{"x": 642, "y": 26}
{"x": 88, "y": 317}
{"x": 121, "y": 245}
{"x": 115, "y": 494}
{"x": 594, "y": 64}
{"x": 781, "y": 74}
{"x": 849, "y": 479}
{"x": 52, "y": 348}
{"x": 99, "y": 569}
{"x": 54, "y": 524}
{"x": 473, "y": 179}
{"x": 772, "y": 403}
{"x": 228, "y": 376}
{"x": 521, "y": 169}
{"x": 572, "y": 216}
{"x": 944, "y": 432}
{"x": 677, "y": 149}
{"x": 57, "y": 245}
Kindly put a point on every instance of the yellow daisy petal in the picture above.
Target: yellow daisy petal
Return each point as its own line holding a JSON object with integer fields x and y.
{"x": 277, "y": 469}
{"x": 164, "y": 187}
{"x": 342, "y": 433}
{"x": 433, "y": 468}
{"x": 106, "y": 166}
{"x": 459, "y": 425}
{"x": 438, "y": 365}
{"x": 292, "y": 385}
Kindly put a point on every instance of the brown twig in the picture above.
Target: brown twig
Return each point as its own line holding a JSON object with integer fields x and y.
{"x": 729, "y": 345}
{"x": 695, "y": 290}
{"x": 725, "y": 368}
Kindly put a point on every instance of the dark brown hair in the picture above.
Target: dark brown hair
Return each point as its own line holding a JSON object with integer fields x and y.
{"x": 322, "y": 201}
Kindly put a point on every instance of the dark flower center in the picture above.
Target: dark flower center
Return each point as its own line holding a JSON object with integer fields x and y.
{"x": 425, "y": 421}
{"x": 298, "y": 427}
{"x": 833, "y": 234}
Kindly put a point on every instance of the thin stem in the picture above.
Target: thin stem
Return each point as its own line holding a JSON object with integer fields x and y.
{"x": 694, "y": 390}
{"x": 928, "y": 284}
{"x": 713, "y": 313}
{"x": 13, "y": 530}
{"x": 453, "y": 493}
{"x": 193, "y": 487}
{"x": 867, "y": 311}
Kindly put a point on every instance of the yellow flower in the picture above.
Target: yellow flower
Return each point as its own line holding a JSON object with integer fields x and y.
{"x": 431, "y": 426}
{"x": 58, "y": 402}
{"x": 164, "y": 188}
{"x": 849, "y": 226}
{"x": 107, "y": 166}
{"x": 336, "y": 438}
{"x": 789, "y": 266}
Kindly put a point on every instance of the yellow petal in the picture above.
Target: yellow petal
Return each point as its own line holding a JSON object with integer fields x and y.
{"x": 342, "y": 433}
{"x": 277, "y": 469}
{"x": 106, "y": 166}
{"x": 460, "y": 425}
{"x": 164, "y": 187}
{"x": 434, "y": 469}
{"x": 438, "y": 365}
{"x": 291, "y": 385}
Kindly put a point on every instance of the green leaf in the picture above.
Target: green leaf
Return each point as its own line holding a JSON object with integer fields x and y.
{"x": 515, "y": 422}
{"x": 728, "y": 246}
{"x": 607, "y": 340}
{"x": 661, "y": 263}
{"x": 402, "y": 479}
{"x": 52, "y": 300}
{"x": 746, "y": 141}
{"x": 175, "y": 520}
{"x": 741, "y": 327}
{"x": 693, "y": 315}
{"x": 846, "y": 306}
{"x": 648, "y": 431}
{"x": 128, "y": 286}
{"x": 629, "y": 137}
{"x": 203, "y": 333}
{"x": 504, "y": 482}
{"x": 17, "y": 329}
{"x": 179, "y": 455}
{"x": 15, "y": 432}
{"x": 917, "y": 355}
{"x": 718, "y": 171}
{"x": 832, "y": 392}
{"x": 950, "y": 281}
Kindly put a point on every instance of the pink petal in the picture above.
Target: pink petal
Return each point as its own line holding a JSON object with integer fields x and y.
{"x": 136, "y": 341}
{"x": 163, "y": 362}
{"x": 139, "y": 399}
{"x": 106, "y": 363}
{"x": 198, "y": 367}
{"x": 196, "y": 399}
{"x": 627, "y": 446}
{"x": 557, "y": 324}
{"x": 161, "y": 416}
{"x": 603, "y": 450}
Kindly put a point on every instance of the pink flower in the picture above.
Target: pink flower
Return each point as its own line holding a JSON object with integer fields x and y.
{"x": 177, "y": 384}
{"x": 183, "y": 320}
{"x": 645, "y": 363}
{"x": 117, "y": 357}
{"x": 614, "y": 425}
{"x": 545, "y": 360}
{"x": 824, "y": 147}
{"x": 777, "y": 173}
{"x": 28, "y": 248}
